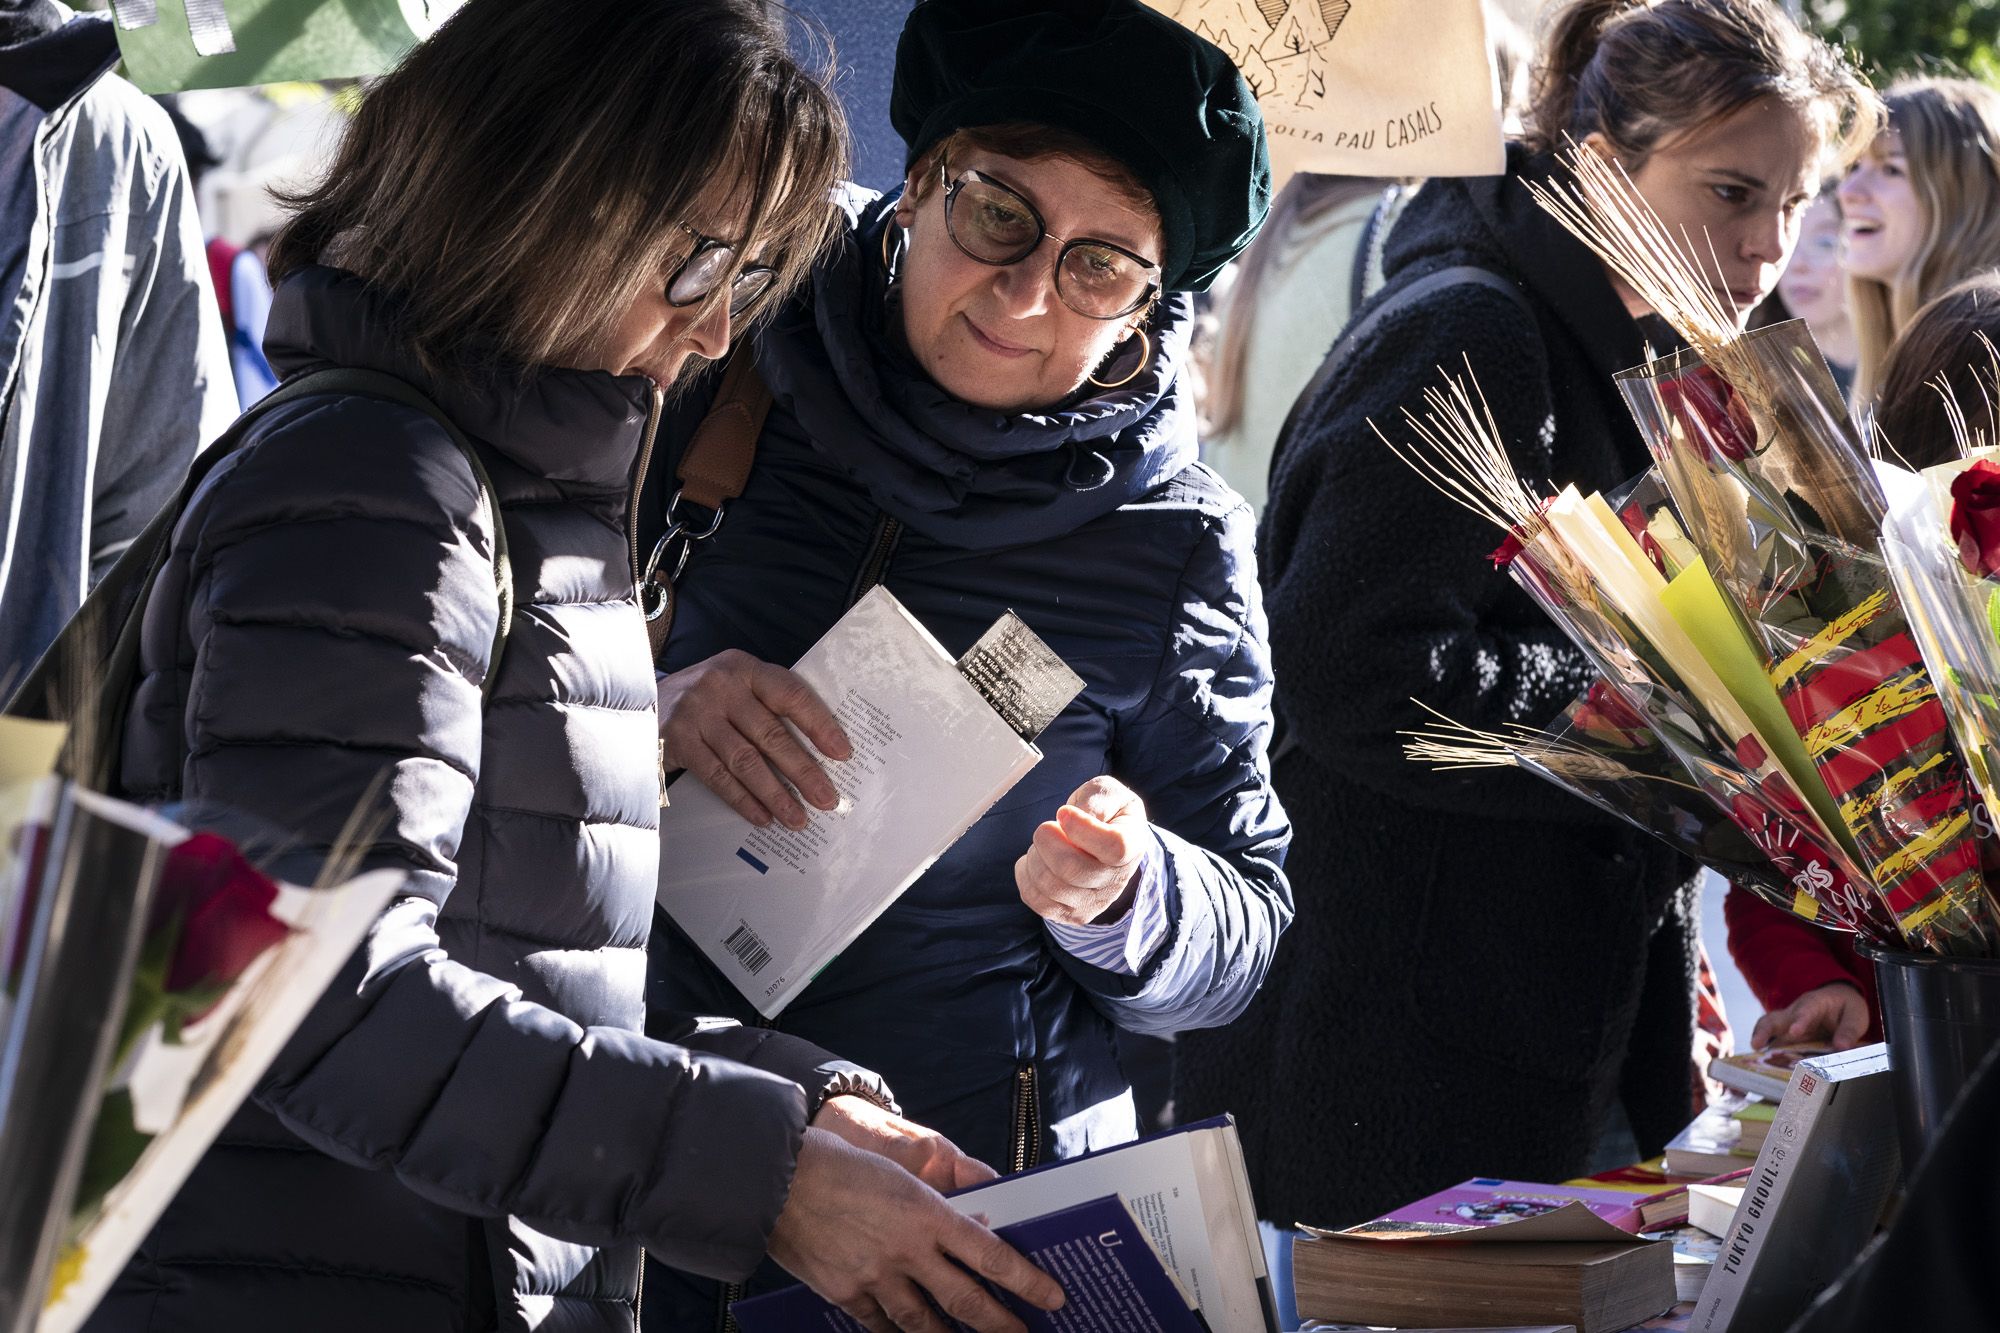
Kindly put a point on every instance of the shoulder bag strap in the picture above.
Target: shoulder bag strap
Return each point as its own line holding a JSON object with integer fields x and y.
{"x": 88, "y": 675}
{"x": 1286, "y": 738}
{"x": 1360, "y": 331}
{"x": 714, "y": 469}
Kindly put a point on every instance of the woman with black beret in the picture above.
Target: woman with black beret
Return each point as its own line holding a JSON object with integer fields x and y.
{"x": 980, "y": 404}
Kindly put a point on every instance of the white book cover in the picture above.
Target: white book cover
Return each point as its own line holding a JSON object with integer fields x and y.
{"x": 933, "y": 751}
{"x": 1190, "y": 1191}
{"x": 1813, "y": 1199}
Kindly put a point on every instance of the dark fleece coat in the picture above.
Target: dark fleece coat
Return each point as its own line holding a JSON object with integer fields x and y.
{"x": 1482, "y": 965}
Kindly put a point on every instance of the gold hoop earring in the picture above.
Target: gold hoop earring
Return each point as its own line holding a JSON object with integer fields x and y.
{"x": 1145, "y": 358}
{"x": 887, "y": 227}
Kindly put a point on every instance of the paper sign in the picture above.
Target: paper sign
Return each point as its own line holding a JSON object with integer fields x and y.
{"x": 1363, "y": 87}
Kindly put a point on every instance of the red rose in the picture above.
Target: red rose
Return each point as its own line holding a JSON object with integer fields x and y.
{"x": 1604, "y": 714}
{"x": 1712, "y": 411}
{"x": 1975, "y": 518}
{"x": 222, "y": 905}
{"x": 1505, "y": 554}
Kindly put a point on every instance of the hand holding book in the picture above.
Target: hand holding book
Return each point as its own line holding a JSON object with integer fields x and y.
{"x": 875, "y": 1241}
{"x": 724, "y": 720}
{"x": 1834, "y": 1013}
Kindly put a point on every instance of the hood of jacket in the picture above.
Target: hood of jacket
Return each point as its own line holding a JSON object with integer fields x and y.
{"x": 324, "y": 316}
{"x": 962, "y": 474}
{"x": 49, "y": 54}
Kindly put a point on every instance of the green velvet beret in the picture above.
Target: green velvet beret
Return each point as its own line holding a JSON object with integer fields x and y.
{"x": 1167, "y": 104}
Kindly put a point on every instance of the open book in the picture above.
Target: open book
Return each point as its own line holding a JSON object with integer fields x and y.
{"x": 1111, "y": 1276}
{"x": 1189, "y": 1189}
{"x": 936, "y": 743}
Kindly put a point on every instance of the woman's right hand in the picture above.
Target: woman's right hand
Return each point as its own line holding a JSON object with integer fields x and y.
{"x": 876, "y": 1241}
{"x": 723, "y": 720}
{"x": 1835, "y": 1013}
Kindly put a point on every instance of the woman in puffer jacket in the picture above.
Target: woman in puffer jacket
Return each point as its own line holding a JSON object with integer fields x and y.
{"x": 541, "y": 221}
{"x": 980, "y": 405}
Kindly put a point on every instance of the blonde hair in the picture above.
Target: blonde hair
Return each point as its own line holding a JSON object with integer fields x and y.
{"x": 516, "y": 181}
{"x": 1951, "y": 138}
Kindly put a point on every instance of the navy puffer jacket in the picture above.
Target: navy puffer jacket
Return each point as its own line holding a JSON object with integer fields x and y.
{"x": 470, "y": 1131}
{"x": 1094, "y": 523}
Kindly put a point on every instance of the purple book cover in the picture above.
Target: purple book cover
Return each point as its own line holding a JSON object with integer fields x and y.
{"x": 1484, "y": 1202}
{"x": 1112, "y": 1279}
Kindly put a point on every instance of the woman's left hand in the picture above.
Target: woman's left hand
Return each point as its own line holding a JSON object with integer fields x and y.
{"x": 1083, "y": 865}
{"x": 924, "y": 1153}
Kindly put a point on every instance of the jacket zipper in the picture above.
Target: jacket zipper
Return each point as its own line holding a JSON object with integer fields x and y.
{"x": 659, "y": 400}
{"x": 1027, "y": 1121}
{"x": 880, "y": 547}
{"x": 639, "y": 477}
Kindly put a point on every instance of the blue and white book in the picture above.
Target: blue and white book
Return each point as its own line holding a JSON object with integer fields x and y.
{"x": 1190, "y": 1190}
{"x": 1112, "y": 1281}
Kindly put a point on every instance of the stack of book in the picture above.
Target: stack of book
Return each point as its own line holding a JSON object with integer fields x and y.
{"x": 1720, "y": 1140}
{"x": 1488, "y": 1253}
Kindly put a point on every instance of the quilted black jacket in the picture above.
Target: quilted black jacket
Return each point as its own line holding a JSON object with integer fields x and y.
{"x": 470, "y": 1131}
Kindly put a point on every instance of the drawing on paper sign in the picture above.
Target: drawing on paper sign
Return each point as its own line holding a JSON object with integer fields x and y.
{"x": 1278, "y": 45}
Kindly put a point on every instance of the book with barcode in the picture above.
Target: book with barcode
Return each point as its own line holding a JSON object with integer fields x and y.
{"x": 936, "y": 742}
{"x": 1112, "y": 1279}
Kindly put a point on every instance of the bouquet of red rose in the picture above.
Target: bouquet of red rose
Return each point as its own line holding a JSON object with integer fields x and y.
{"x": 1942, "y": 544}
{"x": 1786, "y": 510}
{"x": 151, "y": 976}
{"x": 1602, "y": 576}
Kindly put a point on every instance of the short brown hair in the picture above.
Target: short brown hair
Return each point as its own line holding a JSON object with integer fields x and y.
{"x": 1641, "y": 72}
{"x": 517, "y": 179}
{"x": 1948, "y": 346}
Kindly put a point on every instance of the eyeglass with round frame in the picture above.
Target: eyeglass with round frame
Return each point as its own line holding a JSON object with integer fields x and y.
{"x": 711, "y": 260}
{"x": 1095, "y": 278}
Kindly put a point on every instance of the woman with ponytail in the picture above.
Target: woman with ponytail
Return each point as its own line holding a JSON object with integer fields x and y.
{"x": 1920, "y": 210}
{"x": 1493, "y": 978}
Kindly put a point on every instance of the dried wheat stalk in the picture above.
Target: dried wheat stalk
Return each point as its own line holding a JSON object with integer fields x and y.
{"x": 1458, "y": 450}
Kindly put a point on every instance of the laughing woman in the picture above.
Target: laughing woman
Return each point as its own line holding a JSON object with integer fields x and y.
{"x": 980, "y": 405}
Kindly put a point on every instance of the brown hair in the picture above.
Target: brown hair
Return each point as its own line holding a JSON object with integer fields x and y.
{"x": 1641, "y": 72}
{"x": 517, "y": 179}
{"x": 1033, "y": 143}
{"x": 1950, "y": 130}
{"x": 1949, "y": 345}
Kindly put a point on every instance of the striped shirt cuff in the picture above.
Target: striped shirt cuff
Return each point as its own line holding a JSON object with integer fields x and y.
{"x": 1126, "y": 945}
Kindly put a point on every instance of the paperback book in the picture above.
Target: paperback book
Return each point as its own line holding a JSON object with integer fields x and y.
{"x": 936, "y": 743}
{"x": 1189, "y": 1189}
{"x": 1489, "y": 1252}
{"x": 1764, "y": 1073}
{"x": 1813, "y": 1198}
{"x": 1112, "y": 1281}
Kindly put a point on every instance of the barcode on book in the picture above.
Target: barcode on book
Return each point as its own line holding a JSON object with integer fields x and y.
{"x": 747, "y": 948}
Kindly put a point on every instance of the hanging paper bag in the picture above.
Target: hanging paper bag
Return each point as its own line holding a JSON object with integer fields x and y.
{"x": 1363, "y": 87}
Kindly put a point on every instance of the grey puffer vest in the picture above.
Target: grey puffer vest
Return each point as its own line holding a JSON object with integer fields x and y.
{"x": 471, "y": 1130}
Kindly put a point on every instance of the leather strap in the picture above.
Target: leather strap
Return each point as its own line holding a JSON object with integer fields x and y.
{"x": 714, "y": 469}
